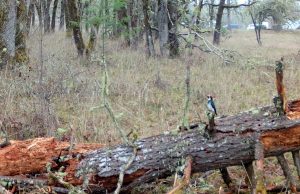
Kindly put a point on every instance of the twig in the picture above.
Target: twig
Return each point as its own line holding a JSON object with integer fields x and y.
{"x": 123, "y": 170}
{"x": 185, "y": 121}
{"x": 122, "y": 133}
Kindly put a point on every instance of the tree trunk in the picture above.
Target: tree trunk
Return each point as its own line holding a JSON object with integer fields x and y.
{"x": 228, "y": 16}
{"x": 46, "y": 12}
{"x": 53, "y": 20}
{"x": 21, "y": 53}
{"x": 163, "y": 27}
{"x": 149, "y": 39}
{"x": 8, "y": 23}
{"x": 234, "y": 142}
{"x": 217, "y": 32}
{"x": 211, "y": 12}
{"x": 62, "y": 14}
{"x": 30, "y": 16}
{"x": 172, "y": 25}
{"x": 33, "y": 15}
{"x": 92, "y": 42}
{"x": 75, "y": 19}
{"x": 133, "y": 23}
{"x": 38, "y": 5}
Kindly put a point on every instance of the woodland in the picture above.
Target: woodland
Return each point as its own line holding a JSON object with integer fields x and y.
{"x": 149, "y": 96}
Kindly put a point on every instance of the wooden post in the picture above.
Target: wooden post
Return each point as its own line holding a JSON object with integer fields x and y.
{"x": 259, "y": 156}
{"x": 226, "y": 178}
{"x": 287, "y": 172}
{"x": 211, "y": 123}
{"x": 280, "y": 87}
{"x": 296, "y": 158}
{"x": 250, "y": 177}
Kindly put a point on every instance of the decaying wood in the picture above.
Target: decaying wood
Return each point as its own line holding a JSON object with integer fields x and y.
{"x": 31, "y": 156}
{"x": 280, "y": 86}
{"x": 234, "y": 143}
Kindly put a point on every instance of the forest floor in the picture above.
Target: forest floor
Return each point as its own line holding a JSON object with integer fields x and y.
{"x": 147, "y": 95}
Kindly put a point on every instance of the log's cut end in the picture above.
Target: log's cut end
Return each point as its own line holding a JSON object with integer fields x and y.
{"x": 31, "y": 156}
{"x": 293, "y": 110}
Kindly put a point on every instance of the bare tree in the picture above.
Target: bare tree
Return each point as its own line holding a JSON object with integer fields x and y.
{"x": 217, "y": 31}
{"x": 62, "y": 14}
{"x": 8, "y": 22}
{"x": 172, "y": 25}
{"x": 163, "y": 28}
{"x": 149, "y": 39}
{"x": 53, "y": 20}
{"x": 75, "y": 19}
{"x": 46, "y": 14}
{"x": 21, "y": 53}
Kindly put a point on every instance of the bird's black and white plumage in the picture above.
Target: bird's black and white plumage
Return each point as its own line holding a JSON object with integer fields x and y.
{"x": 211, "y": 105}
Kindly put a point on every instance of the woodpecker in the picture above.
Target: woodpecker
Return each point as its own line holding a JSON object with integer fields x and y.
{"x": 211, "y": 105}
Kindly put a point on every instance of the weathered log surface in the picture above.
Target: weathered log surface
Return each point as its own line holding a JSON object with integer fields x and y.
{"x": 233, "y": 144}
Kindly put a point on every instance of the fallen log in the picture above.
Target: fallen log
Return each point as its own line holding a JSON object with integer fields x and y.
{"x": 233, "y": 143}
{"x": 31, "y": 157}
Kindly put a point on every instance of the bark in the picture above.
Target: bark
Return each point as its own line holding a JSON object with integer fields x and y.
{"x": 30, "y": 16}
{"x": 53, "y": 20}
{"x": 33, "y": 16}
{"x": 154, "y": 16}
{"x": 38, "y": 5}
{"x": 46, "y": 12}
{"x": 211, "y": 12}
{"x": 217, "y": 31}
{"x": 62, "y": 14}
{"x": 92, "y": 42}
{"x": 172, "y": 25}
{"x": 75, "y": 19}
{"x": 68, "y": 18}
{"x": 228, "y": 16}
{"x": 149, "y": 38}
{"x": 163, "y": 27}
{"x": 21, "y": 31}
{"x": 238, "y": 140}
{"x": 8, "y": 27}
{"x": 133, "y": 23}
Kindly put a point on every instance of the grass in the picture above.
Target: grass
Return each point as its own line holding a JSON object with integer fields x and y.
{"x": 141, "y": 100}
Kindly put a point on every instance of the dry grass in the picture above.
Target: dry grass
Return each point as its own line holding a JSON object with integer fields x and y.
{"x": 141, "y": 100}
